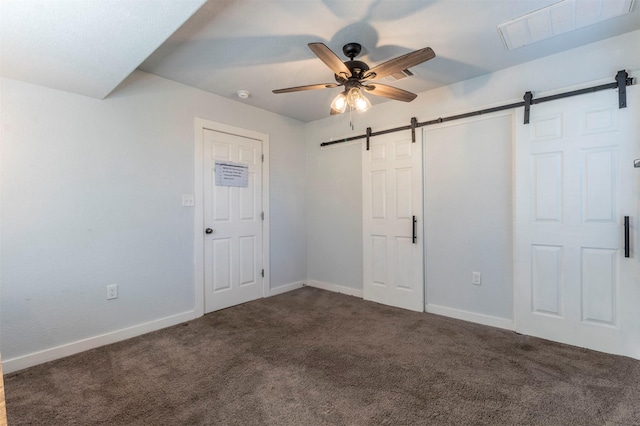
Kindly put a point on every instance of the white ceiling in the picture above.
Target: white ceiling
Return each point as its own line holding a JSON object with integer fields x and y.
{"x": 90, "y": 46}
{"x": 84, "y": 46}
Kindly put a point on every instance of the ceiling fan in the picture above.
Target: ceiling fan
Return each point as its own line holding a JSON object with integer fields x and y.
{"x": 355, "y": 76}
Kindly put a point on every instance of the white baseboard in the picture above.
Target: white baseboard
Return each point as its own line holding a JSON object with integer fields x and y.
{"x": 14, "y": 364}
{"x": 497, "y": 322}
{"x": 336, "y": 288}
{"x": 18, "y": 363}
{"x": 285, "y": 288}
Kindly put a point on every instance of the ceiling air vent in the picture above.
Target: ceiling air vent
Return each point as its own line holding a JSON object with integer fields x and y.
{"x": 399, "y": 75}
{"x": 560, "y": 18}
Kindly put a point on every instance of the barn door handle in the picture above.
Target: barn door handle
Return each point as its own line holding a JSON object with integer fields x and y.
{"x": 626, "y": 236}
{"x": 413, "y": 230}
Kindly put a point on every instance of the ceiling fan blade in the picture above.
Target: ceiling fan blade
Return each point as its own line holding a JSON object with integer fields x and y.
{"x": 334, "y": 112}
{"x": 330, "y": 59}
{"x": 402, "y": 63}
{"x": 309, "y": 87}
{"x": 390, "y": 92}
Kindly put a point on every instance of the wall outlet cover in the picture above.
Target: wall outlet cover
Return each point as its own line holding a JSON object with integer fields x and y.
{"x": 112, "y": 291}
{"x": 476, "y": 278}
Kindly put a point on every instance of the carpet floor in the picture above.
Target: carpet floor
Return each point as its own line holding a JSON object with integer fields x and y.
{"x": 313, "y": 357}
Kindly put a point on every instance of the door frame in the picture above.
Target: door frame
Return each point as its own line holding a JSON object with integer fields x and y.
{"x": 200, "y": 125}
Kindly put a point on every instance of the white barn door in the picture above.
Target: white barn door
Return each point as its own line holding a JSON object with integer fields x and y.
{"x": 392, "y": 198}
{"x": 233, "y": 248}
{"x": 575, "y": 182}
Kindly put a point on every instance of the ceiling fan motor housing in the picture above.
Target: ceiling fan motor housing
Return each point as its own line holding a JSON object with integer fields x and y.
{"x": 358, "y": 70}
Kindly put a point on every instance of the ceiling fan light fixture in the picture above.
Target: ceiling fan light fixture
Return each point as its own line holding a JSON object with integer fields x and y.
{"x": 362, "y": 104}
{"x": 339, "y": 103}
{"x": 356, "y": 100}
{"x": 353, "y": 97}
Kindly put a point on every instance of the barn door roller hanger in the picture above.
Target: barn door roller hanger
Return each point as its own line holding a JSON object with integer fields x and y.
{"x": 622, "y": 81}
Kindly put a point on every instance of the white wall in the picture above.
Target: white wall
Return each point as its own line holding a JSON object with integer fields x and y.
{"x": 334, "y": 214}
{"x": 91, "y": 195}
{"x": 468, "y": 217}
{"x": 334, "y": 175}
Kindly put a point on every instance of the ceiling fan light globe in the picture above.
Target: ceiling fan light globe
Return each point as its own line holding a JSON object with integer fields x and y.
{"x": 339, "y": 103}
{"x": 353, "y": 97}
{"x": 363, "y": 104}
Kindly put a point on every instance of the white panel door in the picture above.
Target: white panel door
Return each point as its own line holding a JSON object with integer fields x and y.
{"x": 233, "y": 223}
{"x": 575, "y": 182}
{"x": 392, "y": 197}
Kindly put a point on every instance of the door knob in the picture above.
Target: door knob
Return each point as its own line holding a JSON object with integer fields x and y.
{"x": 208, "y": 231}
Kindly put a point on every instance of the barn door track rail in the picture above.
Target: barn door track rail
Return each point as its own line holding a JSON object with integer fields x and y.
{"x": 622, "y": 81}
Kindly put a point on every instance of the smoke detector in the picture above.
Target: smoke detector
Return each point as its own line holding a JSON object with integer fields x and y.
{"x": 243, "y": 94}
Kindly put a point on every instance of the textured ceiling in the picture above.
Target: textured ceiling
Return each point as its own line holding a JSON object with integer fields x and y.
{"x": 260, "y": 45}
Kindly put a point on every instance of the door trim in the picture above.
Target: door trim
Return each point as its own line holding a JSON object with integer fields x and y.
{"x": 201, "y": 124}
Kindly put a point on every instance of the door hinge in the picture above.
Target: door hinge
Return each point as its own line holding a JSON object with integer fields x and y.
{"x": 263, "y": 273}
{"x": 263, "y": 158}
{"x": 262, "y": 215}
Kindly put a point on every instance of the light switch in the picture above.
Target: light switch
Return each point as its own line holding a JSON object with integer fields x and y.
{"x": 188, "y": 200}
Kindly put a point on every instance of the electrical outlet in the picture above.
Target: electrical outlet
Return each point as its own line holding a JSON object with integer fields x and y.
{"x": 476, "y": 278}
{"x": 112, "y": 291}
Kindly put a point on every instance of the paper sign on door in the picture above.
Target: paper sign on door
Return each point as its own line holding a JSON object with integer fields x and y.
{"x": 232, "y": 174}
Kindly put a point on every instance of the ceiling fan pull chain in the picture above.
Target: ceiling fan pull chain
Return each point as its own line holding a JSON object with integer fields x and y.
{"x": 351, "y": 119}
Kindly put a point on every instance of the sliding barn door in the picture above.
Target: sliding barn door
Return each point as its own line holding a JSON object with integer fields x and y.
{"x": 392, "y": 221}
{"x": 575, "y": 184}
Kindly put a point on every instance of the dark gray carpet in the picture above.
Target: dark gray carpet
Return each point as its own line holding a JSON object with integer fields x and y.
{"x": 312, "y": 357}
